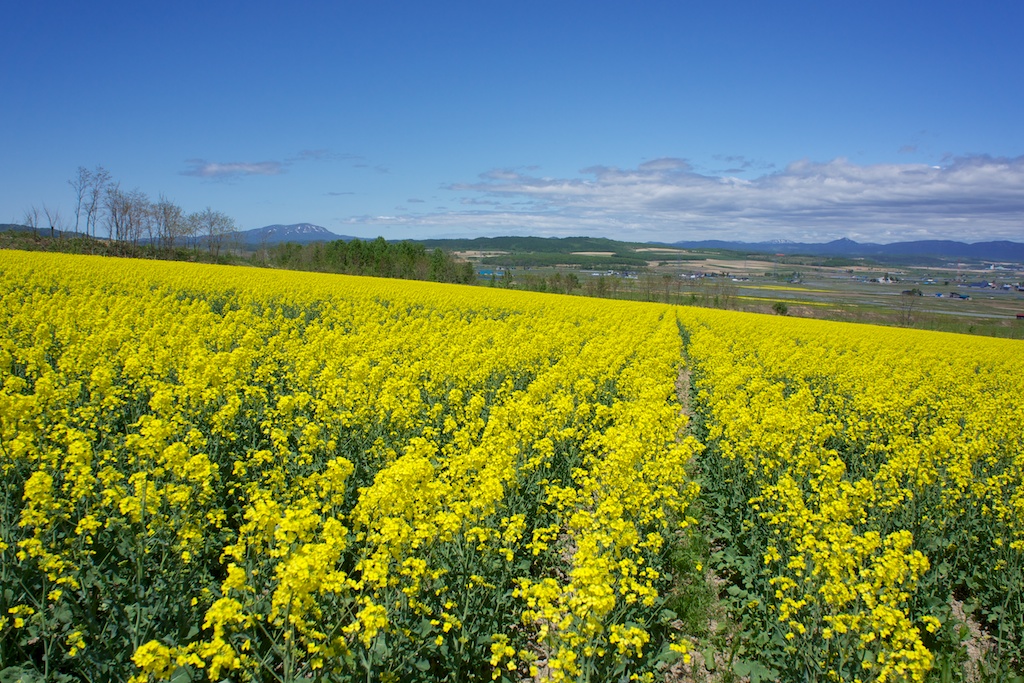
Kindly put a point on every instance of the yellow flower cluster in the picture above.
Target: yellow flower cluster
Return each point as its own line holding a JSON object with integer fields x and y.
{"x": 247, "y": 473}
{"x": 873, "y": 461}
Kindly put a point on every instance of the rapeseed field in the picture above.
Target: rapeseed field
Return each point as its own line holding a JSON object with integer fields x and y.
{"x": 216, "y": 473}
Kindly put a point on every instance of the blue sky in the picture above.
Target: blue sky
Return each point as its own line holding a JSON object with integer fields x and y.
{"x": 809, "y": 121}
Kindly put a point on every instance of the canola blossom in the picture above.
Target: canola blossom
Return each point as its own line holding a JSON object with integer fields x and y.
{"x": 212, "y": 473}
{"x": 257, "y": 475}
{"x": 871, "y": 476}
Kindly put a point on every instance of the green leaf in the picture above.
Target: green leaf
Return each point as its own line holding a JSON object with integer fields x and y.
{"x": 741, "y": 668}
{"x": 15, "y": 674}
{"x": 380, "y": 649}
{"x": 181, "y": 675}
{"x": 756, "y": 671}
{"x": 709, "y": 658}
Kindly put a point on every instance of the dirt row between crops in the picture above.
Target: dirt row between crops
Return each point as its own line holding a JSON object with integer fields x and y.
{"x": 697, "y": 670}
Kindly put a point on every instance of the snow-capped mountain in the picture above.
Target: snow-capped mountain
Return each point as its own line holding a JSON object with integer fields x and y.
{"x": 300, "y": 233}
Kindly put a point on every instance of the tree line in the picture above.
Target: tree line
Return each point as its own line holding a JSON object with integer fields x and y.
{"x": 376, "y": 258}
{"x": 101, "y": 205}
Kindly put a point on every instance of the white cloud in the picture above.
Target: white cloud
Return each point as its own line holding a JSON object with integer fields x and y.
{"x": 202, "y": 168}
{"x": 212, "y": 169}
{"x": 969, "y": 198}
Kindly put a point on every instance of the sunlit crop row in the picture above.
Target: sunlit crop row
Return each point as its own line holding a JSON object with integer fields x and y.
{"x": 214, "y": 472}
{"x": 865, "y": 479}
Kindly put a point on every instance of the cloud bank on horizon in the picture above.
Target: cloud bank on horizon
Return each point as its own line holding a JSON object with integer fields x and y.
{"x": 969, "y": 198}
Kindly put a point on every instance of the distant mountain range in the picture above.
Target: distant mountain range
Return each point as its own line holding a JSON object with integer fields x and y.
{"x": 934, "y": 249}
{"x": 304, "y": 233}
{"x": 924, "y": 250}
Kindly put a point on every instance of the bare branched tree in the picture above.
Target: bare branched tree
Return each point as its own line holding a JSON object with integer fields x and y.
{"x": 169, "y": 222}
{"x": 31, "y": 217}
{"x": 128, "y": 214}
{"x": 80, "y": 183}
{"x": 54, "y": 219}
{"x": 99, "y": 180}
{"x": 216, "y": 227}
{"x": 115, "y": 203}
{"x": 139, "y": 216}
{"x": 190, "y": 230}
